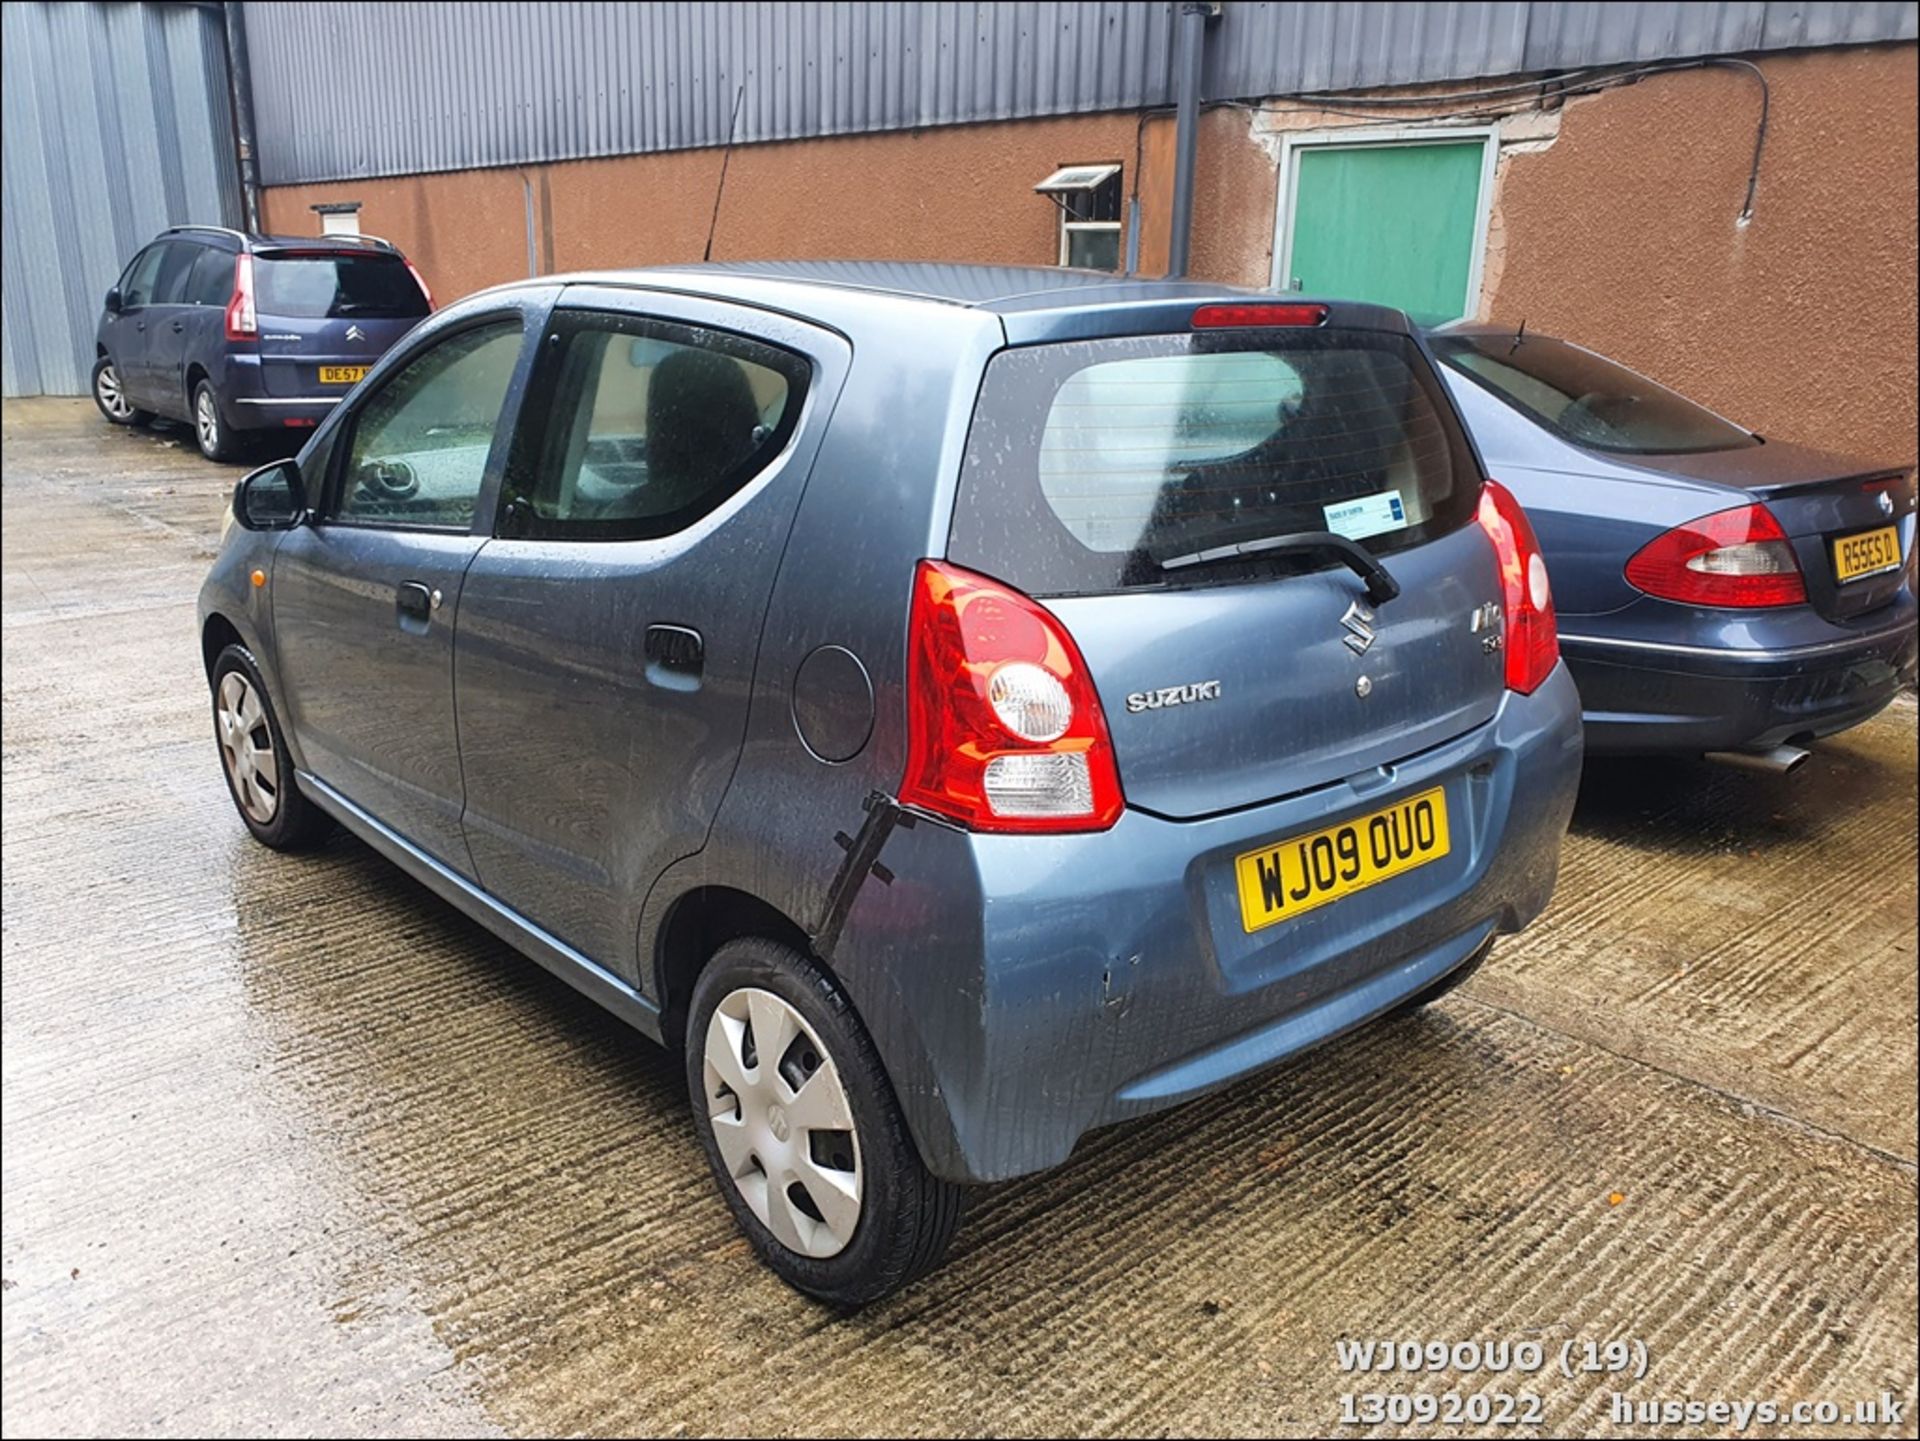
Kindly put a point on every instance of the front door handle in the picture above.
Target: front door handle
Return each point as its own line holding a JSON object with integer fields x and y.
{"x": 414, "y": 605}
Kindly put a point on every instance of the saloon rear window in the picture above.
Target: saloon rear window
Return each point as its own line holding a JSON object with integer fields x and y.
{"x": 1091, "y": 464}
{"x": 324, "y": 286}
{"x": 1587, "y": 399}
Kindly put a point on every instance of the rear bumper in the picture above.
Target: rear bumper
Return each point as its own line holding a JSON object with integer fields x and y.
{"x": 246, "y": 405}
{"x": 1641, "y": 696}
{"x": 1024, "y": 990}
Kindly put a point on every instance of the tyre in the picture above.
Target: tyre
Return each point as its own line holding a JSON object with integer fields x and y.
{"x": 1419, "y": 1000}
{"x": 112, "y": 398}
{"x": 800, "y": 1125}
{"x": 253, "y": 753}
{"x": 210, "y": 430}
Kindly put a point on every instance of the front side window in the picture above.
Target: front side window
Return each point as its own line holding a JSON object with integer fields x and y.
{"x": 648, "y": 426}
{"x": 418, "y": 453}
{"x": 336, "y": 286}
{"x": 1585, "y": 398}
{"x": 137, "y": 286}
{"x": 1092, "y": 464}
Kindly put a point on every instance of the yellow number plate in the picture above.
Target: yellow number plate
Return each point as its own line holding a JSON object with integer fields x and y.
{"x": 1868, "y": 553}
{"x": 1278, "y": 882}
{"x": 343, "y": 374}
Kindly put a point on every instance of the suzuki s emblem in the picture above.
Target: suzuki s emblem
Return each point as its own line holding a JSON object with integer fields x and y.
{"x": 354, "y": 332}
{"x": 1359, "y": 624}
{"x": 1886, "y": 503}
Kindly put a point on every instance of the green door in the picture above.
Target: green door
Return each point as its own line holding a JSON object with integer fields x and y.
{"x": 1393, "y": 224}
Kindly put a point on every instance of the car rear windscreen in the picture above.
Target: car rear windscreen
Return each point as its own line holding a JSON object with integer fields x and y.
{"x": 1585, "y": 398}
{"x": 1092, "y": 464}
{"x": 327, "y": 286}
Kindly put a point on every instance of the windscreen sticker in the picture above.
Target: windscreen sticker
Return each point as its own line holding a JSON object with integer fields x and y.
{"x": 1366, "y": 515}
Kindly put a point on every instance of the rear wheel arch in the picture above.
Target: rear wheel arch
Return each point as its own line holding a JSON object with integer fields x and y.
{"x": 195, "y": 374}
{"x": 696, "y": 925}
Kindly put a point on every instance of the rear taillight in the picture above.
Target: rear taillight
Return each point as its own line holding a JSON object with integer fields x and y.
{"x": 1258, "y": 314}
{"x": 1532, "y": 642}
{"x": 1004, "y": 728}
{"x": 1739, "y": 558}
{"x": 241, "y": 321}
{"x": 421, "y": 281}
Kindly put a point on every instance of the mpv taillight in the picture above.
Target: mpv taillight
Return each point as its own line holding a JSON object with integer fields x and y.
{"x": 1532, "y": 638}
{"x": 1004, "y": 728}
{"x": 1738, "y": 558}
{"x": 241, "y": 321}
{"x": 421, "y": 281}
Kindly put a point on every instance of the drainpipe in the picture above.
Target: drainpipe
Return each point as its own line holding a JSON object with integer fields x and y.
{"x": 240, "y": 88}
{"x": 526, "y": 187}
{"x": 1194, "y": 15}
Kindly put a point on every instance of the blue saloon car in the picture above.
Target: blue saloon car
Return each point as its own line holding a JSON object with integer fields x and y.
{"x": 1717, "y": 592}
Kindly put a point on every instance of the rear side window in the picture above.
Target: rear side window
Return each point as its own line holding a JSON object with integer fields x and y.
{"x": 176, "y": 262}
{"x": 211, "y": 282}
{"x": 329, "y": 286}
{"x": 1586, "y": 399}
{"x": 648, "y": 426}
{"x": 1091, "y": 464}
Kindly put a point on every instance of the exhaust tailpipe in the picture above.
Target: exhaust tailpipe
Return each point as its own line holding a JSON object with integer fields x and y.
{"x": 1774, "y": 760}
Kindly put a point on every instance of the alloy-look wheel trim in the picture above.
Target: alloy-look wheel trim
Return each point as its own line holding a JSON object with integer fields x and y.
{"x": 246, "y": 743}
{"x": 206, "y": 422}
{"x": 113, "y": 400}
{"x": 782, "y": 1122}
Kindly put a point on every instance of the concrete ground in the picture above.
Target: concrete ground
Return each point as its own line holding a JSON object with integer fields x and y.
{"x": 290, "y": 1146}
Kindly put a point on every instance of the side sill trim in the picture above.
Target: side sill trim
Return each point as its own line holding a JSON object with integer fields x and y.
{"x": 585, "y": 975}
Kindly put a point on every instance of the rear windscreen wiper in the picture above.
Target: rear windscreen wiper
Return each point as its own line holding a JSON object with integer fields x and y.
{"x": 1381, "y": 586}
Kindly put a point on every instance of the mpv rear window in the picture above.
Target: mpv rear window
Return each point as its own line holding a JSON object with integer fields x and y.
{"x": 1089, "y": 464}
{"x": 314, "y": 287}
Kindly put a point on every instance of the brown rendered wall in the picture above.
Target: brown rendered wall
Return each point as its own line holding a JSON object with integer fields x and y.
{"x": 1618, "y": 231}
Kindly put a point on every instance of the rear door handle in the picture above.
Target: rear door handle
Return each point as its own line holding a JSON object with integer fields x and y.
{"x": 178, "y": 327}
{"x": 414, "y": 604}
{"x": 675, "y": 656}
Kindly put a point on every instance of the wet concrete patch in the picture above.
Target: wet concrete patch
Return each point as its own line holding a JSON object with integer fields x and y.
{"x": 292, "y": 1146}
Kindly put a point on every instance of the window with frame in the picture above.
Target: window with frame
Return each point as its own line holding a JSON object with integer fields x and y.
{"x": 417, "y": 457}
{"x": 176, "y": 263}
{"x": 1088, "y": 197}
{"x": 136, "y": 287}
{"x": 648, "y": 426}
{"x": 211, "y": 282}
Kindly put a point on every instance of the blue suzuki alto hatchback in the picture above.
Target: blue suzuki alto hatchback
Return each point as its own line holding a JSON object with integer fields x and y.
{"x": 959, "y": 707}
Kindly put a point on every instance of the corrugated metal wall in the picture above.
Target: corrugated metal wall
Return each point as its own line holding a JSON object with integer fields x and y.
{"x": 401, "y": 88}
{"x": 1290, "y": 48}
{"x": 373, "y": 88}
{"x": 115, "y": 123}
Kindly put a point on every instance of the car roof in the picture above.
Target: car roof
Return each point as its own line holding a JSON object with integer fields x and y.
{"x": 1030, "y": 303}
{"x": 254, "y": 240}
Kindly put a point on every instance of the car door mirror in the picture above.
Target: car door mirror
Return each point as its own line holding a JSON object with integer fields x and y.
{"x": 271, "y": 498}
{"x": 113, "y": 301}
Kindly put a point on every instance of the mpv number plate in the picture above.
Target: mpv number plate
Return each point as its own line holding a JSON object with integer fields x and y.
{"x": 1868, "y": 553}
{"x": 1280, "y": 881}
{"x": 343, "y": 374}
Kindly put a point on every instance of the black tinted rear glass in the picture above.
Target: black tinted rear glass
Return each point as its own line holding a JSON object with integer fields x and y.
{"x": 1090, "y": 464}
{"x": 1585, "y": 398}
{"x": 313, "y": 287}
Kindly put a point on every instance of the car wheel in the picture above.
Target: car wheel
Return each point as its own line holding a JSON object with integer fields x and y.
{"x": 111, "y": 397}
{"x": 803, "y": 1133}
{"x": 253, "y": 753}
{"x": 216, "y": 441}
{"x": 1420, "y": 1000}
